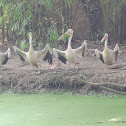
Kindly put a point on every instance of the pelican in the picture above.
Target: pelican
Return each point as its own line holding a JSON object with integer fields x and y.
{"x": 70, "y": 54}
{"x": 108, "y": 56}
{"x": 33, "y": 57}
{"x": 4, "y": 57}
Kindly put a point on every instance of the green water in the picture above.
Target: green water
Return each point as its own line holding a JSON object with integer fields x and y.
{"x": 61, "y": 110}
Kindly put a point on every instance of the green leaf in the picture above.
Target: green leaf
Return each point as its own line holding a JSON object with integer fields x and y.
{"x": 23, "y": 44}
{"x": 16, "y": 42}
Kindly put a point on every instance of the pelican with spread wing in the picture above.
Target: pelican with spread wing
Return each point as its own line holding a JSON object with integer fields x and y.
{"x": 4, "y": 57}
{"x": 33, "y": 57}
{"x": 70, "y": 54}
{"x": 108, "y": 56}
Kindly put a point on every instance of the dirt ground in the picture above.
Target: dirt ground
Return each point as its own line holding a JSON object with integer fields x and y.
{"x": 16, "y": 76}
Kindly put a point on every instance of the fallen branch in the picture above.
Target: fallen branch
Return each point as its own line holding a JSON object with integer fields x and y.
{"x": 79, "y": 81}
{"x": 105, "y": 84}
{"x": 114, "y": 91}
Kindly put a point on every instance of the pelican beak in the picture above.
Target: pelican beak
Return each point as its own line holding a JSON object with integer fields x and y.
{"x": 61, "y": 37}
{"x": 65, "y": 34}
{"x": 103, "y": 39}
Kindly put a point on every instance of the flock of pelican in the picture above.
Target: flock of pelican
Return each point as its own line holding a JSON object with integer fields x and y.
{"x": 108, "y": 56}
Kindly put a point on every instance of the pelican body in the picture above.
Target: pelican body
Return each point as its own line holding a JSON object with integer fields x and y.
{"x": 33, "y": 57}
{"x": 108, "y": 56}
{"x": 70, "y": 54}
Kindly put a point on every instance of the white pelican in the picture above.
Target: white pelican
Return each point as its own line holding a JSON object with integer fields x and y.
{"x": 33, "y": 57}
{"x": 4, "y": 57}
{"x": 108, "y": 56}
{"x": 70, "y": 54}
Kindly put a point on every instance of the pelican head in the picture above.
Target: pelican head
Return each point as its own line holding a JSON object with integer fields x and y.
{"x": 69, "y": 32}
{"x": 105, "y": 37}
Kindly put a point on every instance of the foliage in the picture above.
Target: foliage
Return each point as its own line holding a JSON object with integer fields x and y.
{"x": 23, "y": 45}
{"x": 52, "y": 35}
{"x": 111, "y": 12}
{"x": 48, "y": 19}
{"x": 44, "y": 18}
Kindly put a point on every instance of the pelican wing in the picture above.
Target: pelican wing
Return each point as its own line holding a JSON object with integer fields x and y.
{"x": 5, "y": 56}
{"x": 45, "y": 54}
{"x": 61, "y": 55}
{"x": 82, "y": 49}
{"x": 5, "y": 59}
{"x": 116, "y": 52}
{"x": 99, "y": 55}
{"x": 22, "y": 55}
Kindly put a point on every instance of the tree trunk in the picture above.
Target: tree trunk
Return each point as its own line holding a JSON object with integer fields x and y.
{"x": 2, "y": 26}
{"x": 122, "y": 24}
{"x": 7, "y": 31}
{"x": 94, "y": 12}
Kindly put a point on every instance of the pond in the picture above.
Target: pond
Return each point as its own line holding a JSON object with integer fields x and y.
{"x": 62, "y": 110}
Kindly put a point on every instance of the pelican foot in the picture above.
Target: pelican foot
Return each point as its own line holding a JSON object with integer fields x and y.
{"x": 105, "y": 69}
{"x": 53, "y": 67}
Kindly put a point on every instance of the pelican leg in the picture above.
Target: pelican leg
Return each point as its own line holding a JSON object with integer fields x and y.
{"x": 112, "y": 64}
{"x": 76, "y": 69}
{"x": 1, "y": 66}
{"x": 39, "y": 66}
{"x": 74, "y": 65}
{"x": 69, "y": 65}
{"x": 36, "y": 70}
{"x": 105, "y": 68}
{"x": 33, "y": 69}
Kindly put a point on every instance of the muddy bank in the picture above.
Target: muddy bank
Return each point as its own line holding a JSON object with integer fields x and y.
{"x": 21, "y": 77}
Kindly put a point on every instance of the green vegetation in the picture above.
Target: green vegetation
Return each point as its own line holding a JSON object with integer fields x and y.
{"x": 44, "y": 18}
{"x": 47, "y": 19}
{"x": 111, "y": 11}
{"x": 106, "y": 16}
{"x": 55, "y": 110}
